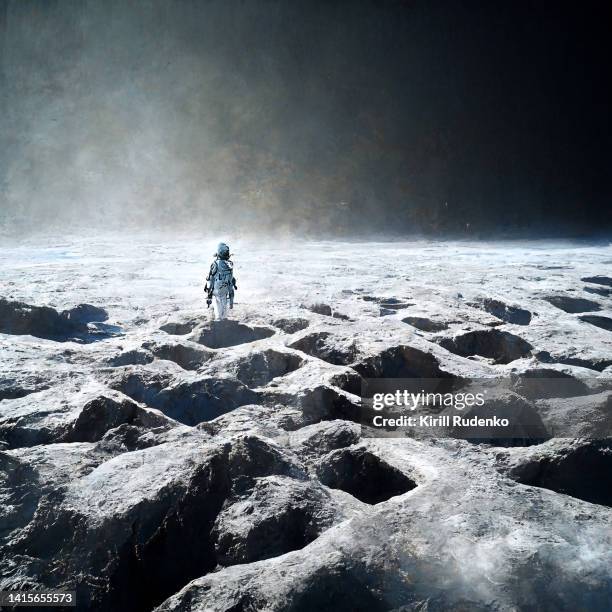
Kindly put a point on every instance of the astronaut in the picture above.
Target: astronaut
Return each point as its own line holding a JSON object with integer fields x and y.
{"x": 220, "y": 282}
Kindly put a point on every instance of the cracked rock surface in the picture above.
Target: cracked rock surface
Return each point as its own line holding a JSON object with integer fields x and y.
{"x": 152, "y": 459}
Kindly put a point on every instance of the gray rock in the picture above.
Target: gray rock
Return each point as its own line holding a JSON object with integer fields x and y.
{"x": 141, "y": 510}
{"x": 226, "y": 466}
{"x": 431, "y": 549}
{"x": 319, "y": 308}
{"x": 19, "y": 318}
{"x": 278, "y": 515}
{"x": 578, "y": 417}
{"x": 500, "y": 346}
{"x": 187, "y": 400}
{"x": 76, "y": 417}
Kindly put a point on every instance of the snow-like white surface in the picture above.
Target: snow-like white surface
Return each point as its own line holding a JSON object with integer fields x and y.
{"x": 141, "y": 280}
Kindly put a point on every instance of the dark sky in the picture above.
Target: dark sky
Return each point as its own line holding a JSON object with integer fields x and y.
{"x": 469, "y": 118}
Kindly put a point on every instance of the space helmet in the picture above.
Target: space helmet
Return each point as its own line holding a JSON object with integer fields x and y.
{"x": 223, "y": 251}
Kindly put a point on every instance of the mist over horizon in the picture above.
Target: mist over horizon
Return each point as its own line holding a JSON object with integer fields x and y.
{"x": 305, "y": 118}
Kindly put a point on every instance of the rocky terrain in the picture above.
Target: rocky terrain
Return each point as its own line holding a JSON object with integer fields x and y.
{"x": 151, "y": 459}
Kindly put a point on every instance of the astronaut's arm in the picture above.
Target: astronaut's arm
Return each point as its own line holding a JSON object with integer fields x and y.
{"x": 211, "y": 272}
{"x": 208, "y": 284}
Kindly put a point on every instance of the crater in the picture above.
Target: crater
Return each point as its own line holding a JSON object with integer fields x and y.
{"x": 103, "y": 414}
{"x": 401, "y": 362}
{"x": 579, "y": 471}
{"x": 572, "y": 305}
{"x": 86, "y": 313}
{"x": 316, "y": 404}
{"x": 387, "y": 304}
{"x": 319, "y": 308}
{"x": 291, "y": 325}
{"x": 260, "y": 368}
{"x": 598, "y": 280}
{"x": 599, "y": 364}
{"x": 509, "y": 314}
{"x": 599, "y": 291}
{"x": 133, "y": 357}
{"x": 598, "y": 321}
{"x": 187, "y": 357}
{"x": 363, "y": 475}
{"x": 226, "y": 333}
{"x": 525, "y": 424}
{"x": 543, "y": 383}
{"x": 189, "y": 402}
{"x": 179, "y": 329}
{"x": 349, "y": 381}
{"x": 279, "y": 514}
{"x": 425, "y": 324}
{"x": 501, "y": 346}
{"x": 327, "y": 347}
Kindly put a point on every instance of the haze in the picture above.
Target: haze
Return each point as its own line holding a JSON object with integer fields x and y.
{"x": 307, "y": 118}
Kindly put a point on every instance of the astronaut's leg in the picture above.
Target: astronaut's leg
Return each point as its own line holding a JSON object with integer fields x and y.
{"x": 220, "y": 306}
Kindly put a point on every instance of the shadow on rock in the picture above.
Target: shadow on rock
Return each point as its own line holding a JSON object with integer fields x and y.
{"x": 222, "y": 334}
{"x": 19, "y": 318}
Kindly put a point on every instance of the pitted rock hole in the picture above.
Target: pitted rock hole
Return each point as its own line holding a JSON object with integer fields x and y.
{"x": 603, "y": 291}
{"x": 291, "y": 326}
{"x": 582, "y": 472}
{"x": 189, "y": 402}
{"x": 525, "y": 424}
{"x": 543, "y": 383}
{"x": 86, "y": 313}
{"x": 393, "y": 307}
{"x": 321, "y": 438}
{"x": 319, "y": 308}
{"x": 363, "y": 475}
{"x": 327, "y": 347}
{"x": 349, "y": 381}
{"x": 510, "y": 314}
{"x": 501, "y": 346}
{"x": 401, "y": 362}
{"x": 598, "y": 280}
{"x": 599, "y": 364}
{"x": 133, "y": 357}
{"x": 280, "y": 514}
{"x": 141, "y": 385}
{"x": 321, "y": 403}
{"x": 598, "y": 321}
{"x": 572, "y": 305}
{"x": 223, "y": 334}
{"x": 187, "y": 357}
{"x": 179, "y": 329}
{"x": 425, "y": 324}
{"x": 260, "y": 368}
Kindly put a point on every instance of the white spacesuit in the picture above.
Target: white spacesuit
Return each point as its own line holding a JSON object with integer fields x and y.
{"x": 220, "y": 282}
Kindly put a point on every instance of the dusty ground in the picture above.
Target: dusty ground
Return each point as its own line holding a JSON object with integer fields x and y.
{"x": 152, "y": 458}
